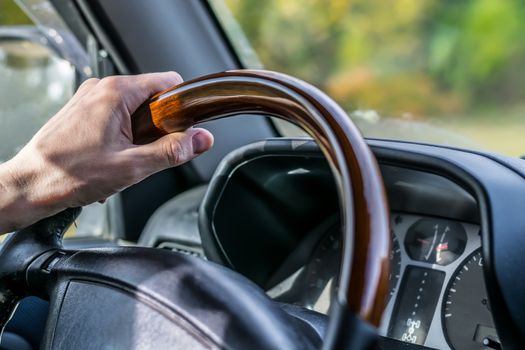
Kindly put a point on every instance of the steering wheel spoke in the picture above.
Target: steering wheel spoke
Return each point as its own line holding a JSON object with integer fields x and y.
{"x": 20, "y": 249}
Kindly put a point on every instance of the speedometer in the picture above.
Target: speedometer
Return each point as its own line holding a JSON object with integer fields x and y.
{"x": 466, "y": 315}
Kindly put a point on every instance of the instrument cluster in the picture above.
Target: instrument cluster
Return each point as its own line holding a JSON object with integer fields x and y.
{"x": 437, "y": 289}
{"x": 440, "y": 297}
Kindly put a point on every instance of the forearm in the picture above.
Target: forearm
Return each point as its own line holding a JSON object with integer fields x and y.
{"x": 29, "y": 191}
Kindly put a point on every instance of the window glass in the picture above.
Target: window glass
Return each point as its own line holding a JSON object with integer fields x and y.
{"x": 438, "y": 71}
{"x": 36, "y": 81}
{"x": 35, "y": 85}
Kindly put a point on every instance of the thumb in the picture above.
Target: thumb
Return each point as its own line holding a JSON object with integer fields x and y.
{"x": 173, "y": 149}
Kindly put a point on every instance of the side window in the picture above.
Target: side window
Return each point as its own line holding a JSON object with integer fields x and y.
{"x": 37, "y": 78}
{"x": 35, "y": 83}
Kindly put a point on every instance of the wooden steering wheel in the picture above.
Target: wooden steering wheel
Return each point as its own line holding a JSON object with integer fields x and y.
{"x": 190, "y": 294}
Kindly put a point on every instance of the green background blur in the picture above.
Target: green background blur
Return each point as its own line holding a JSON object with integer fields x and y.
{"x": 454, "y": 64}
{"x": 10, "y": 14}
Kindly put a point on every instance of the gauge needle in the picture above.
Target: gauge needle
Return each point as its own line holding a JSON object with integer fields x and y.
{"x": 431, "y": 248}
{"x": 442, "y": 245}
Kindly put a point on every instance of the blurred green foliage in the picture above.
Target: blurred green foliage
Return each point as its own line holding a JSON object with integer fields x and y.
{"x": 11, "y": 14}
{"x": 410, "y": 58}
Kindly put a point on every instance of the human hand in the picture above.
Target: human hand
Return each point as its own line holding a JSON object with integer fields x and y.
{"x": 85, "y": 153}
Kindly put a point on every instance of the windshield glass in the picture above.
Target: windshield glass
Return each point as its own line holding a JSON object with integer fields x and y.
{"x": 448, "y": 72}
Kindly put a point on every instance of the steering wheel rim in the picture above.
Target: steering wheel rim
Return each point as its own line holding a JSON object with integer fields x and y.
{"x": 363, "y": 279}
{"x": 34, "y": 264}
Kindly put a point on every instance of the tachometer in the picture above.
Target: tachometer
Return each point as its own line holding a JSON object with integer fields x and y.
{"x": 466, "y": 315}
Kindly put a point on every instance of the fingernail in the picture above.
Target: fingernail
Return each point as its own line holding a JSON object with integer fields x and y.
{"x": 199, "y": 142}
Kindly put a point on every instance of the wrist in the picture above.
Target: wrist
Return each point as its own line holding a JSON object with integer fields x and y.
{"x": 16, "y": 207}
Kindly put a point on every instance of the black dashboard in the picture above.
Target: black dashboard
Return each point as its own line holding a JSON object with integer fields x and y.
{"x": 271, "y": 213}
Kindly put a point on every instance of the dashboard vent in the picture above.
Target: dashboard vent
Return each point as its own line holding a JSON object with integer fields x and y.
{"x": 183, "y": 249}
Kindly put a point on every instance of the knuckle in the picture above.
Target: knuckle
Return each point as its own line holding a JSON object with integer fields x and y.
{"x": 87, "y": 83}
{"x": 90, "y": 81}
{"x": 175, "y": 153}
{"x": 112, "y": 83}
{"x": 110, "y": 89}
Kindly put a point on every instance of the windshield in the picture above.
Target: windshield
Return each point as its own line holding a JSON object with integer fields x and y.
{"x": 448, "y": 72}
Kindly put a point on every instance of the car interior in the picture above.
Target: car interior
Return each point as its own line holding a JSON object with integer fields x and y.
{"x": 258, "y": 242}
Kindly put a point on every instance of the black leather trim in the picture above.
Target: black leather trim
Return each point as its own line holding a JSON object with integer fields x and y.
{"x": 214, "y": 304}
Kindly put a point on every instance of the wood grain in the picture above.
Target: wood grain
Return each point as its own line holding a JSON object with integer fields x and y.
{"x": 365, "y": 264}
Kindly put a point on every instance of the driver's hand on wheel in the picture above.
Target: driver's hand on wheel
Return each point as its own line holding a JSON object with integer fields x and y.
{"x": 85, "y": 153}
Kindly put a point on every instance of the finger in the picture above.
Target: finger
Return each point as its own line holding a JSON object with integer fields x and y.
{"x": 135, "y": 89}
{"x": 172, "y": 150}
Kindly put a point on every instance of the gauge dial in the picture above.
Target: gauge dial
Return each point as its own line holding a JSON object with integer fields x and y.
{"x": 321, "y": 272}
{"x": 466, "y": 314}
{"x": 395, "y": 266}
{"x": 435, "y": 241}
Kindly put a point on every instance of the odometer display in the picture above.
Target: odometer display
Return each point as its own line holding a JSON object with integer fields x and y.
{"x": 466, "y": 315}
{"x": 415, "y": 305}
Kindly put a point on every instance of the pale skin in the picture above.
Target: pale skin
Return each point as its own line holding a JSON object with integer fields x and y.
{"x": 85, "y": 153}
